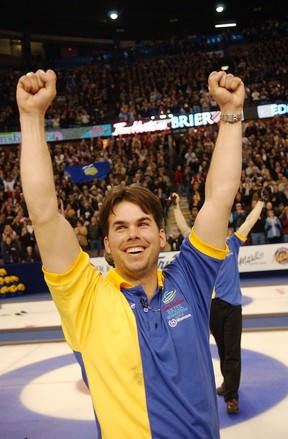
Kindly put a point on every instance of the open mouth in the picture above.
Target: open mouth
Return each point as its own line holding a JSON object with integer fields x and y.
{"x": 135, "y": 250}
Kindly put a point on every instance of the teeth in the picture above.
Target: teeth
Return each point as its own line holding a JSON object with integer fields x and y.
{"x": 134, "y": 250}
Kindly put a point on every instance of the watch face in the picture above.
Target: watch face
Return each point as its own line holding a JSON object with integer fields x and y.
{"x": 231, "y": 117}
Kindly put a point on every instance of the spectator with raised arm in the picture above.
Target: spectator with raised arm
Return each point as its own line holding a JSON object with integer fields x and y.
{"x": 226, "y": 313}
{"x": 226, "y": 307}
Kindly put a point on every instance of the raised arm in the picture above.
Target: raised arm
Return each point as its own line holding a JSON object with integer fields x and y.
{"x": 56, "y": 239}
{"x": 179, "y": 217}
{"x": 223, "y": 178}
{"x": 251, "y": 219}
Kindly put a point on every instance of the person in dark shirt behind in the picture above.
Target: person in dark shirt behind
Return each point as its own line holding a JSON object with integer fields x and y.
{"x": 257, "y": 235}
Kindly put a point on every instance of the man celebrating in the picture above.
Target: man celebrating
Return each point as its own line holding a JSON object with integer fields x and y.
{"x": 140, "y": 334}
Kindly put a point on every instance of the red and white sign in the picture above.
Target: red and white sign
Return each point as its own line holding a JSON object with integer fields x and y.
{"x": 121, "y": 128}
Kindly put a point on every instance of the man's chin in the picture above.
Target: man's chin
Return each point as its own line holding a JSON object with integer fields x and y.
{"x": 135, "y": 265}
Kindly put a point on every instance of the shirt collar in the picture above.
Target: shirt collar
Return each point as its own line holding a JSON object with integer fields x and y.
{"x": 119, "y": 282}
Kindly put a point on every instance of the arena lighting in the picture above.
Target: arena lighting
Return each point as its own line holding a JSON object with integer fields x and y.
{"x": 220, "y": 8}
{"x": 226, "y": 25}
{"x": 224, "y": 68}
{"x": 113, "y": 15}
{"x": 162, "y": 116}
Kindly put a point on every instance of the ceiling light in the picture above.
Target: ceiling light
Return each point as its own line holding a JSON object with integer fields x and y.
{"x": 220, "y": 8}
{"x": 113, "y": 15}
{"x": 226, "y": 25}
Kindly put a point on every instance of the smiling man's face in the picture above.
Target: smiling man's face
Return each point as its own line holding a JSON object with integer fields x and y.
{"x": 134, "y": 241}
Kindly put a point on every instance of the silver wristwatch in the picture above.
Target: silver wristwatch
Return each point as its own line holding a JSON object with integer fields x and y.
{"x": 231, "y": 118}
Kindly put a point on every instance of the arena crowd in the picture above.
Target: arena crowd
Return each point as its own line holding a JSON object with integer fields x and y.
{"x": 139, "y": 87}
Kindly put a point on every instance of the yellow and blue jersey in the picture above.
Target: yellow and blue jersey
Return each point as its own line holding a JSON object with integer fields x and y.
{"x": 227, "y": 286}
{"x": 149, "y": 369}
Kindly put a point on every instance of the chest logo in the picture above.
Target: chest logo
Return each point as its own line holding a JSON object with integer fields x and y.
{"x": 168, "y": 296}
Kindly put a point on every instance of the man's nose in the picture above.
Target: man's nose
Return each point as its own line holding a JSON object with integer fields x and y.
{"x": 133, "y": 232}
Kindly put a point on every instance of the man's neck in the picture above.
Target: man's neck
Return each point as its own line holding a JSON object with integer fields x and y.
{"x": 149, "y": 283}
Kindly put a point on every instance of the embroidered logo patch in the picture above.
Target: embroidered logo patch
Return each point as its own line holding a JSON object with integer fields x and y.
{"x": 168, "y": 296}
{"x": 176, "y": 310}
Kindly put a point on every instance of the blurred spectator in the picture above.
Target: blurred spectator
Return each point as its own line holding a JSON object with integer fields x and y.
{"x": 175, "y": 239}
{"x": 278, "y": 198}
{"x": 95, "y": 236}
{"x": 26, "y": 239}
{"x": 273, "y": 227}
{"x": 196, "y": 193}
{"x": 9, "y": 231}
{"x": 9, "y": 251}
{"x": 284, "y": 224}
{"x": 239, "y": 216}
{"x": 257, "y": 235}
{"x": 71, "y": 216}
{"x": 86, "y": 211}
{"x": 81, "y": 232}
{"x": 194, "y": 213}
{"x": 178, "y": 179}
{"x": 30, "y": 255}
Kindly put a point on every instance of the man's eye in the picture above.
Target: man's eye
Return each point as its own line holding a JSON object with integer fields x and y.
{"x": 119, "y": 228}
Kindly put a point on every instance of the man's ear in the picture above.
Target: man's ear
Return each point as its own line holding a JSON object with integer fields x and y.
{"x": 107, "y": 246}
{"x": 163, "y": 239}
{"x": 109, "y": 259}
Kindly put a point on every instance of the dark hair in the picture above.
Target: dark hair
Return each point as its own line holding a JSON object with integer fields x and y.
{"x": 139, "y": 195}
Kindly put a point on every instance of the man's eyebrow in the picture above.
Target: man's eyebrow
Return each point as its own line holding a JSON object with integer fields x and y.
{"x": 143, "y": 218}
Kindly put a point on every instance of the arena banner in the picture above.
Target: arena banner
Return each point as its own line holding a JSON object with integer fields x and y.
{"x": 168, "y": 122}
{"x": 252, "y": 258}
{"x": 85, "y": 132}
{"x": 271, "y": 110}
{"x": 263, "y": 257}
{"x": 139, "y": 126}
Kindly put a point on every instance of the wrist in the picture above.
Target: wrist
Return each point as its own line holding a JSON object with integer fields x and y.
{"x": 32, "y": 117}
{"x": 231, "y": 117}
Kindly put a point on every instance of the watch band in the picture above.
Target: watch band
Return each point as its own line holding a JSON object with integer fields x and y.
{"x": 231, "y": 118}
